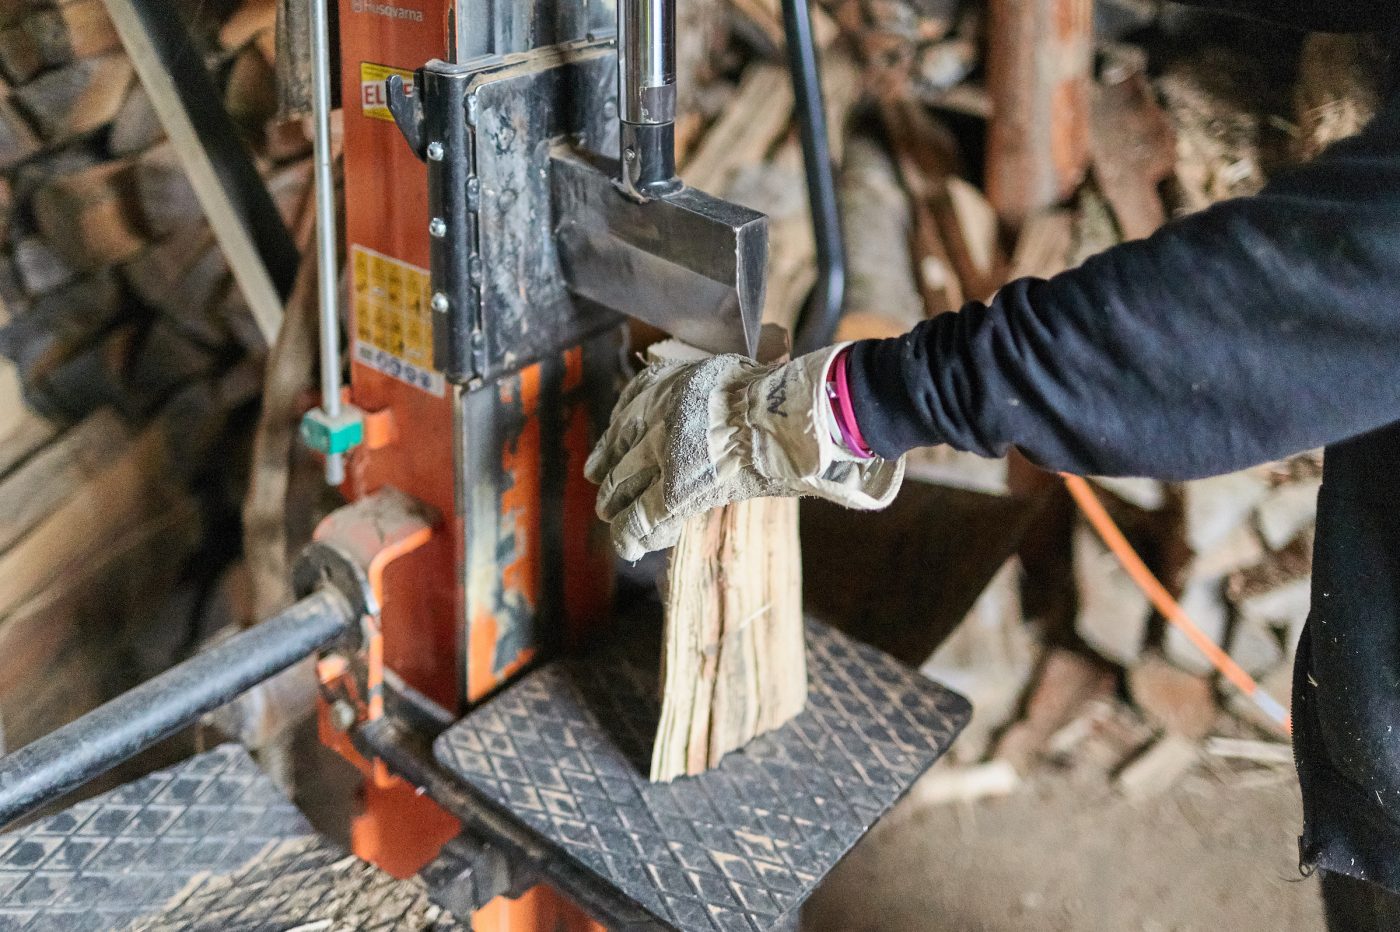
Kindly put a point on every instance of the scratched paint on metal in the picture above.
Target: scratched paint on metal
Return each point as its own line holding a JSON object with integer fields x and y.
{"x": 538, "y": 567}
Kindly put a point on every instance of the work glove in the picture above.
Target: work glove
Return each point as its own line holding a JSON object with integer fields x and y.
{"x": 688, "y": 436}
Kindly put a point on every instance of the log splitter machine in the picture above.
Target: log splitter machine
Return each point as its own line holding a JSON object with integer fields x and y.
{"x": 511, "y": 192}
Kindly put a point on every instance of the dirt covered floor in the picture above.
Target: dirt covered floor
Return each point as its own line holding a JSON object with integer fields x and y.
{"x": 1216, "y": 851}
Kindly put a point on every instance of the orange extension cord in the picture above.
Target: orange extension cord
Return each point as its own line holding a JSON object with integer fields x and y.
{"x": 1162, "y": 600}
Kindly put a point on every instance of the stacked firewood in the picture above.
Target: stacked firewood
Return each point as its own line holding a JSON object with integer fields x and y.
{"x": 934, "y": 219}
{"x": 125, "y": 350}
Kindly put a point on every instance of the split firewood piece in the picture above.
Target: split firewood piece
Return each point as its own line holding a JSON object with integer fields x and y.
{"x": 734, "y": 655}
{"x": 77, "y": 98}
{"x": 882, "y": 296}
{"x": 749, "y": 127}
{"x": 89, "y": 216}
{"x": 1134, "y": 150}
{"x": 926, "y": 156}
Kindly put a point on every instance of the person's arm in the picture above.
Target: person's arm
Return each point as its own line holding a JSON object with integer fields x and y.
{"x": 1256, "y": 329}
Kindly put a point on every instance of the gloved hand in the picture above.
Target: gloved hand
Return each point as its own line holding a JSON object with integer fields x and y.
{"x": 686, "y": 437}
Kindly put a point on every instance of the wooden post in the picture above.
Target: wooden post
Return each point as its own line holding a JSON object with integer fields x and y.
{"x": 1039, "y": 65}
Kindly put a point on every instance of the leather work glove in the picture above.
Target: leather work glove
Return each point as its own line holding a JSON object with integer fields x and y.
{"x": 689, "y": 436}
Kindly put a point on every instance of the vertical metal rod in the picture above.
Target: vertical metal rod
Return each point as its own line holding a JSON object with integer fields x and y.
{"x": 823, "y": 308}
{"x": 327, "y": 277}
{"x": 646, "y": 65}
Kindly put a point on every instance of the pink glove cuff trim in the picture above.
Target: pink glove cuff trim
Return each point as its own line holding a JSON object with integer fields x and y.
{"x": 845, "y": 412}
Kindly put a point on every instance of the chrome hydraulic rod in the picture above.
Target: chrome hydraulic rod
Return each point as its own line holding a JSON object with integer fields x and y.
{"x": 327, "y": 277}
{"x": 646, "y": 64}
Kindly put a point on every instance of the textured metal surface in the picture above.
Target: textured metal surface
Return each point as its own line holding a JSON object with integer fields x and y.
{"x": 503, "y": 300}
{"x": 307, "y": 884}
{"x": 110, "y": 859}
{"x": 740, "y": 847}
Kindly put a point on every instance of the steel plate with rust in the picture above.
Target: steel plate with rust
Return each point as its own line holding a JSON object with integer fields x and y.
{"x": 740, "y": 847}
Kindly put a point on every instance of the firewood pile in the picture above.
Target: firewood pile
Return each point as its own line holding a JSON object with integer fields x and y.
{"x": 126, "y": 353}
{"x": 1156, "y": 116}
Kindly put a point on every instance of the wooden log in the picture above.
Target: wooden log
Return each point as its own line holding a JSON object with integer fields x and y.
{"x": 183, "y": 277}
{"x": 1340, "y": 78}
{"x": 1039, "y": 62}
{"x": 136, "y": 127}
{"x": 50, "y": 476}
{"x": 926, "y": 156}
{"x": 19, "y": 58}
{"x": 25, "y": 433}
{"x": 290, "y": 186}
{"x": 65, "y": 650}
{"x": 131, "y": 488}
{"x": 1042, "y": 249}
{"x": 735, "y": 657}
{"x": 882, "y": 296}
{"x": 250, "y": 92}
{"x": 758, "y": 116}
{"x": 249, "y": 21}
{"x": 734, "y": 654}
{"x": 90, "y": 376}
{"x": 17, "y": 139}
{"x": 39, "y": 267}
{"x": 164, "y": 195}
{"x": 89, "y": 216}
{"x": 77, "y": 98}
{"x": 1134, "y": 151}
{"x": 65, "y": 32}
{"x": 59, "y": 323}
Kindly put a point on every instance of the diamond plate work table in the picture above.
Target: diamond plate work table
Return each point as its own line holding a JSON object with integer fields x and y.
{"x": 565, "y": 750}
{"x": 209, "y": 844}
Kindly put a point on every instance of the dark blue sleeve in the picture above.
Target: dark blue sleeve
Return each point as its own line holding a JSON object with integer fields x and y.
{"x": 1256, "y": 329}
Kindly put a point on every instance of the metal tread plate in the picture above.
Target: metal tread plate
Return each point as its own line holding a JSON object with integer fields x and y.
{"x": 305, "y": 882}
{"x": 740, "y": 847}
{"x": 110, "y": 859}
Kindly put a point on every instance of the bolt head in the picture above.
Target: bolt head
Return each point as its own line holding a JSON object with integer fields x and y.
{"x": 437, "y": 227}
{"x": 435, "y": 151}
{"x": 440, "y": 303}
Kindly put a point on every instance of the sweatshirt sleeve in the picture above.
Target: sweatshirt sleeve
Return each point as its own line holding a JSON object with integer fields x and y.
{"x": 1253, "y": 330}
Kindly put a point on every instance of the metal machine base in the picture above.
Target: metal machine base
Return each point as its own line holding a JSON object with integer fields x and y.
{"x": 566, "y": 750}
{"x": 209, "y": 844}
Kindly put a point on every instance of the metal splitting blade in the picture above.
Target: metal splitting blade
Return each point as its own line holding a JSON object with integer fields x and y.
{"x": 690, "y": 263}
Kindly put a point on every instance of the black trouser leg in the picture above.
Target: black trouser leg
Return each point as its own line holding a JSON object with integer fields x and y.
{"x": 1357, "y": 906}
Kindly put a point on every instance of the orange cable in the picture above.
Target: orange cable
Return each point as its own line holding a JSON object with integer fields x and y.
{"x": 1169, "y": 607}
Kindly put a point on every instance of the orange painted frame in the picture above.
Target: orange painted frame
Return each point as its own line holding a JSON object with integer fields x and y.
{"x": 424, "y": 597}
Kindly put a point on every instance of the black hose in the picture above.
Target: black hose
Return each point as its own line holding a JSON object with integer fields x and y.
{"x": 42, "y": 771}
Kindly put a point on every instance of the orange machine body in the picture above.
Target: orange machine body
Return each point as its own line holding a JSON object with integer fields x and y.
{"x": 516, "y": 563}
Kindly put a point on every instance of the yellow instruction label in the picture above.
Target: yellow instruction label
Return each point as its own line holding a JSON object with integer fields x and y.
{"x": 374, "y": 99}
{"x": 393, "y": 322}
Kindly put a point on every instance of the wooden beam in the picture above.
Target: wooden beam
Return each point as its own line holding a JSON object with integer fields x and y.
{"x": 245, "y": 222}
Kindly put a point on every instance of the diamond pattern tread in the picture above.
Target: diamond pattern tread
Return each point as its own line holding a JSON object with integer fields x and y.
{"x": 302, "y": 883}
{"x": 740, "y": 847}
{"x": 108, "y": 860}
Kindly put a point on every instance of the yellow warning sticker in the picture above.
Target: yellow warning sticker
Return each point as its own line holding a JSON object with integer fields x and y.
{"x": 393, "y": 323}
{"x": 374, "y": 100}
